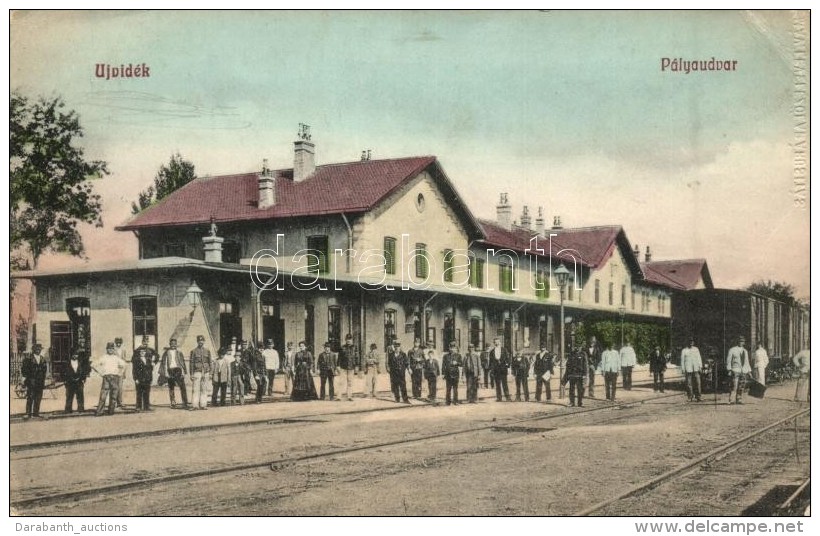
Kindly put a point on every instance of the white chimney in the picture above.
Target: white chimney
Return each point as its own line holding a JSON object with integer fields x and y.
{"x": 503, "y": 212}
{"x": 304, "y": 162}
{"x": 267, "y": 187}
{"x": 637, "y": 252}
{"x": 648, "y": 257}
{"x": 526, "y": 221}
{"x": 539, "y": 222}
{"x": 556, "y": 223}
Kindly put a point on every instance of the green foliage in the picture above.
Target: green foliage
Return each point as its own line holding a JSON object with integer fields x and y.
{"x": 644, "y": 336}
{"x": 171, "y": 177}
{"x": 782, "y": 292}
{"x": 50, "y": 191}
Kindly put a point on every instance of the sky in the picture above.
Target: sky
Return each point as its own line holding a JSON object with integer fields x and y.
{"x": 569, "y": 111}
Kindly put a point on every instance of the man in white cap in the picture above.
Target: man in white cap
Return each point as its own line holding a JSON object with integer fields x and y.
{"x": 200, "y": 373}
{"x": 738, "y": 366}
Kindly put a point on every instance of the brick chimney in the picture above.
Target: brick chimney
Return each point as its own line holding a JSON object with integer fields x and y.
{"x": 267, "y": 187}
{"x": 648, "y": 257}
{"x": 556, "y": 223}
{"x": 503, "y": 212}
{"x": 304, "y": 162}
{"x": 526, "y": 221}
{"x": 539, "y": 222}
{"x": 637, "y": 252}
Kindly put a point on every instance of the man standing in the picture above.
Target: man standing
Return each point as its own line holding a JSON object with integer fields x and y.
{"x": 271, "y": 358}
{"x": 327, "y": 369}
{"x": 172, "y": 363}
{"x": 150, "y": 354}
{"x": 472, "y": 372}
{"x": 691, "y": 364}
{"x": 373, "y": 367}
{"x": 431, "y": 373}
{"x": 35, "y": 370}
{"x": 236, "y": 375}
{"x": 485, "y": 365}
{"x": 593, "y": 351}
{"x": 760, "y": 360}
{"x": 143, "y": 373}
{"x": 74, "y": 375}
{"x": 628, "y": 360}
{"x": 110, "y": 367}
{"x": 657, "y": 366}
{"x": 499, "y": 364}
{"x": 260, "y": 374}
{"x": 738, "y": 366}
{"x": 416, "y": 358}
{"x": 577, "y": 369}
{"x": 200, "y": 361}
{"x": 248, "y": 357}
{"x": 350, "y": 362}
{"x": 451, "y": 369}
{"x": 521, "y": 371}
{"x": 220, "y": 377}
{"x": 610, "y": 366}
{"x": 286, "y": 368}
{"x": 543, "y": 366}
{"x": 124, "y": 380}
{"x": 397, "y": 365}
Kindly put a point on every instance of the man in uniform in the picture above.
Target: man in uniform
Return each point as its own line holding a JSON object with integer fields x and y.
{"x": 543, "y": 364}
{"x": 143, "y": 373}
{"x": 451, "y": 369}
{"x": 248, "y": 357}
{"x": 485, "y": 366}
{"x": 200, "y": 361}
{"x": 657, "y": 366}
{"x": 172, "y": 363}
{"x": 431, "y": 373}
{"x": 521, "y": 371}
{"x": 397, "y": 365}
{"x": 499, "y": 364}
{"x": 74, "y": 375}
{"x": 35, "y": 370}
{"x": 691, "y": 364}
{"x": 350, "y": 364}
{"x": 416, "y": 358}
{"x": 610, "y": 367}
{"x": 593, "y": 351}
{"x": 327, "y": 370}
{"x": 628, "y": 361}
{"x": 577, "y": 369}
{"x": 738, "y": 366}
{"x": 472, "y": 372}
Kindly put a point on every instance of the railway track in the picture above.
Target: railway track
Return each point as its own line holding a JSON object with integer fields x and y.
{"x": 710, "y": 457}
{"x": 512, "y": 425}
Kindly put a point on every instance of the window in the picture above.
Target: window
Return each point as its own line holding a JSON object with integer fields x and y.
{"x": 570, "y": 289}
{"x": 448, "y": 265}
{"x": 334, "y": 327}
{"x": 231, "y": 252}
{"x": 476, "y": 272}
{"x": 448, "y": 331}
{"x": 422, "y": 267}
{"x": 389, "y": 327}
{"x": 389, "y": 255}
{"x": 633, "y": 299}
{"x": 477, "y": 332}
{"x": 542, "y": 285}
{"x": 226, "y": 308}
{"x": 611, "y": 292}
{"x": 144, "y": 317}
{"x": 420, "y": 203}
{"x": 175, "y": 249}
{"x": 318, "y": 258}
{"x": 597, "y": 290}
{"x": 505, "y": 277}
{"x": 623, "y": 295}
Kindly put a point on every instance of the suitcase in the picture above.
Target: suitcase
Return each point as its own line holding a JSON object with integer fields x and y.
{"x": 756, "y": 389}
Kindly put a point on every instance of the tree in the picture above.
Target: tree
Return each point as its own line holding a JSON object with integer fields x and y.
{"x": 171, "y": 177}
{"x": 50, "y": 180}
{"x": 777, "y": 290}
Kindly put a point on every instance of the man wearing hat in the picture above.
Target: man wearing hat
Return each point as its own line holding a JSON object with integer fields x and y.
{"x": 35, "y": 370}
{"x": 543, "y": 368}
{"x": 350, "y": 363}
{"x": 172, "y": 363}
{"x": 691, "y": 363}
{"x": 500, "y": 364}
{"x": 451, "y": 369}
{"x": 397, "y": 365}
{"x": 74, "y": 374}
{"x": 472, "y": 372}
{"x": 327, "y": 365}
{"x": 142, "y": 367}
{"x": 271, "y": 358}
{"x": 200, "y": 361}
{"x": 738, "y": 366}
{"x": 416, "y": 358}
{"x": 122, "y": 353}
{"x": 110, "y": 367}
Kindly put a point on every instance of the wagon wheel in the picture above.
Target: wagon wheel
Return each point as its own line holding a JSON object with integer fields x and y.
{"x": 20, "y": 390}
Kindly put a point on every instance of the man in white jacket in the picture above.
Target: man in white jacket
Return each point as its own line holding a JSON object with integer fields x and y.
{"x": 691, "y": 364}
{"x": 610, "y": 366}
{"x": 628, "y": 360}
{"x": 760, "y": 360}
{"x": 738, "y": 366}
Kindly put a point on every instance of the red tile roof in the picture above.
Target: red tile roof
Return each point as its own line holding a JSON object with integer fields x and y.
{"x": 332, "y": 189}
{"x": 678, "y": 274}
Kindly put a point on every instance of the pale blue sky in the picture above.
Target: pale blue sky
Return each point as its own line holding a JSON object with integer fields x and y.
{"x": 568, "y": 110}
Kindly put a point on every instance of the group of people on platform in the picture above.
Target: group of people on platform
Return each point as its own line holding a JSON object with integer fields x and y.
{"x": 244, "y": 368}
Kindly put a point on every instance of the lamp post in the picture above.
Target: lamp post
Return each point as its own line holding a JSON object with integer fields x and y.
{"x": 622, "y": 311}
{"x": 562, "y": 275}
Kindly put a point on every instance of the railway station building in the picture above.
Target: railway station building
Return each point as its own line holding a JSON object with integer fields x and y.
{"x": 379, "y": 249}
